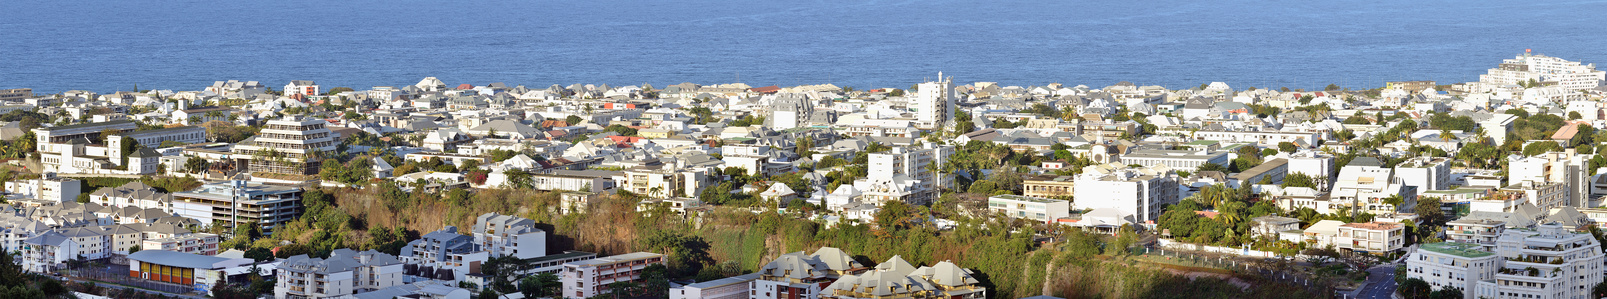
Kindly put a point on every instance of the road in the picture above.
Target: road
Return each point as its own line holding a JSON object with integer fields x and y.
{"x": 1380, "y": 282}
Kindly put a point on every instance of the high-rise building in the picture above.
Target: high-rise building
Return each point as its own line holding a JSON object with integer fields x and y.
{"x": 1569, "y": 75}
{"x": 1567, "y": 168}
{"x": 934, "y": 103}
{"x": 287, "y": 146}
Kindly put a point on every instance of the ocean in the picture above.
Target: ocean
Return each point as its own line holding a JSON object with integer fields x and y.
{"x": 107, "y": 46}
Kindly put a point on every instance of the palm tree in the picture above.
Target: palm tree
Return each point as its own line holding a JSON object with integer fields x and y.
{"x": 1445, "y": 135}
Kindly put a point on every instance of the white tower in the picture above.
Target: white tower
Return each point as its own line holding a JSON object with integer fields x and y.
{"x": 934, "y": 103}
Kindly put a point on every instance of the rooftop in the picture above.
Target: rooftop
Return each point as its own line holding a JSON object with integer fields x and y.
{"x": 1025, "y": 198}
{"x": 1457, "y": 249}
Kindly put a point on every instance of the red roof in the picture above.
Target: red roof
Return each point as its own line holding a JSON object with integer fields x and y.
{"x": 1207, "y": 214}
{"x": 552, "y": 123}
{"x": 766, "y": 89}
{"x": 466, "y": 86}
{"x": 625, "y": 140}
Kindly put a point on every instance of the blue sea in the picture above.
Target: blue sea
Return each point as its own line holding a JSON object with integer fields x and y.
{"x": 106, "y": 46}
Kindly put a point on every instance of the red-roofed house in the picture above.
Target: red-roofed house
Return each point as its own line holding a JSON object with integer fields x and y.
{"x": 766, "y": 89}
{"x": 466, "y": 86}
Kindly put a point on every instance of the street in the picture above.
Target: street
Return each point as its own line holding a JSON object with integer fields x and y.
{"x": 1380, "y": 282}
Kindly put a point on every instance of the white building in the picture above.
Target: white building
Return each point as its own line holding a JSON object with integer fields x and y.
{"x": 1453, "y": 265}
{"x": 588, "y": 278}
{"x": 344, "y": 273}
{"x": 1372, "y": 237}
{"x": 234, "y": 202}
{"x": 1364, "y": 185}
{"x": 50, "y": 189}
{"x": 1029, "y": 208}
{"x": 504, "y": 235}
{"x": 1546, "y": 262}
{"x": 287, "y": 146}
{"x": 1567, "y": 168}
{"x": 1570, "y": 75}
{"x": 1425, "y": 173}
{"x": 934, "y": 103}
{"x": 1139, "y": 192}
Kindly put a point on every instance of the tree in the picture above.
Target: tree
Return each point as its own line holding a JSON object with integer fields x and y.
{"x": 540, "y": 285}
{"x": 1541, "y": 148}
{"x": 1288, "y": 147}
{"x": 572, "y": 120}
{"x": 1428, "y": 210}
{"x": 1414, "y": 288}
{"x": 1298, "y": 179}
{"x": 1600, "y": 290}
{"x": 1210, "y": 167}
{"x": 1447, "y": 293}
{"x": 1395, "y": 200}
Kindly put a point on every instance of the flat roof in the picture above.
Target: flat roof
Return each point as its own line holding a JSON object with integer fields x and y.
{"x": 176, "y": 259}
{"x": 1457, "y": 249}
{"x": 744, "y": 278}
{"x": 91, "y": 125}
{"x": 615, "y": 259}
{"x": 163, "y": 130}
{"x": 1025, "y": 198}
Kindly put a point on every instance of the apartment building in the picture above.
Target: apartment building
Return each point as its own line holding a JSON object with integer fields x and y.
{"x": 287, "y": 146}
{"x": 934, "y": 103}
{"x": 1546, "y": 262}
{"x": 441, "y": 255}
{"x": 15, "y": 94}
{"x": 661, "y": 181}
{"x": 503, "y": 235}
{"x": 231, "y": 203}
{"x": 1567, "y": 168}
{"x": 1364, "y": 185}
{"x": 574, "y": 180}
{"x": 1048, "y": 186}
{"x": 1452, "y": 265}
{"x": 133, "y": 194}
{"x": 1371, "y": 237}
{"x": 344, "y": 273}
{"x": 1546, "y": 196}
{"x": 1425, "y": 173}
{"x": 1311, "y": 163}
{"x": 48, "y": 252}
{"x": 584, "y": 279}
{"x": 49, "y": 190}
{"x": 1138, "y": 192}
{"x": 1480, "y": 232}
{"x": 801, "y": 276}
{"x": 1029, "y": 208}
{"x": 1569, "y": 75}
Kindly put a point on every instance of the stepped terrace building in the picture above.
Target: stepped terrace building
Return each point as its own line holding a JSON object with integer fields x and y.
{"x": 287, "y": 146}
